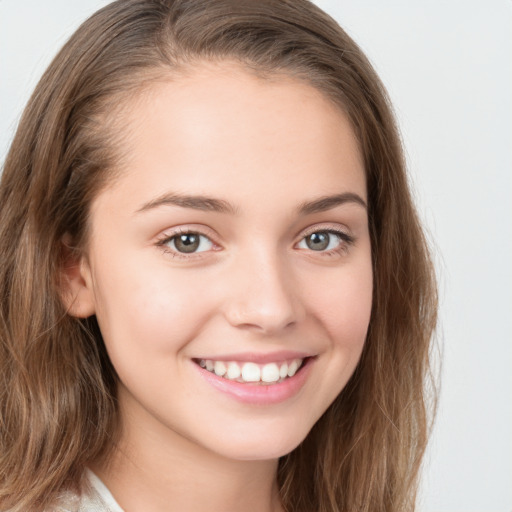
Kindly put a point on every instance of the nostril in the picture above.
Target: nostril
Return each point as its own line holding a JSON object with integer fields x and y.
{"x": 263, "y": 319}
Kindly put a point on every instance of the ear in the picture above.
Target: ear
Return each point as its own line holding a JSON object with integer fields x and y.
{"x": 75, "y": 281}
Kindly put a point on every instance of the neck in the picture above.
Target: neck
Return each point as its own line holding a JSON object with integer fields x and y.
{"x": 158, "y": 470}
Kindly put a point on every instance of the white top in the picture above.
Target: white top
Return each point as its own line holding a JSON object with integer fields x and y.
{"x": 95, "y": 498}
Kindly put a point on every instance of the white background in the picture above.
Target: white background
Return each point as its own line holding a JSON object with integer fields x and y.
{"x": 448, "y": 67}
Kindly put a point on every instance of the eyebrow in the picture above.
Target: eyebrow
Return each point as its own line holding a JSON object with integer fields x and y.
{"x": 210, "y": 204}
{"x": 207, "y": 204}
{"x": 328, "y": 202}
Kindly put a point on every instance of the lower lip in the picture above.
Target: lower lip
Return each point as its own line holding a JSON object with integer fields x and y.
{"x": 261, "y": 394}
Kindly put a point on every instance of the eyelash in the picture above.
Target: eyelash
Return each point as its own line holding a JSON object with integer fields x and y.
{"x": 168, "y": 238}
{"x": 345, "y": 241}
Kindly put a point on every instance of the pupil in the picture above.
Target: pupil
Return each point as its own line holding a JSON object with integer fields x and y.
{"x": 187, "y": 243}
{"x": 318, "y": 241}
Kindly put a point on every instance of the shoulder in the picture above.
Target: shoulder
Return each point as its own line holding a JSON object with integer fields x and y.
{"x": 94, "y": 497}
{"x": 83, "y": 503}
{"x": 70, "y": 502}
{"x": 67, "y": 502}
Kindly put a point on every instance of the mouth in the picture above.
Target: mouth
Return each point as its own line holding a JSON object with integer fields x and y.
{"x": 252, "y": 372}
{"x": 262, "y": 383}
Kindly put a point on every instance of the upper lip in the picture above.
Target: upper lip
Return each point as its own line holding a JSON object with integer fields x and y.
{"x": 256, "y": 357}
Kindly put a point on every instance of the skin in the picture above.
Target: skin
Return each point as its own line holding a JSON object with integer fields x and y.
{"x": 266, "y": 147}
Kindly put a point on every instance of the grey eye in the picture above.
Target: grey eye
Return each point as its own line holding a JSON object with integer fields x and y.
{"x": 320, "y": 241}
{"x": 188, "y": 243}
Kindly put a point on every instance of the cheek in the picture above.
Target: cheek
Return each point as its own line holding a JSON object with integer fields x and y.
{"x": 342, "y": 303}
{"x": 346, "y": 294}
{"x": 150, "y": 311}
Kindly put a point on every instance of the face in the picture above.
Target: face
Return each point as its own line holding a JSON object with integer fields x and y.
{"x": 229, "y": 264}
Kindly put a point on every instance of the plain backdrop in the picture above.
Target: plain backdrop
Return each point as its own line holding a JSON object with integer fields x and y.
{"x": 448, "y": 67}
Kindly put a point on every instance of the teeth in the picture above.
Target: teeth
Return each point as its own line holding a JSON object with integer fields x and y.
{"x": 219, "y": 368}
{"x": 270, "y": 373}
{"x": 292, "y": 369}
{"x": 252, "y": 372}
{"x": 233, "y": 371}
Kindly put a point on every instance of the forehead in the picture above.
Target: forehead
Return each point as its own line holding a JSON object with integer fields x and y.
{"x": 219, "y": 128}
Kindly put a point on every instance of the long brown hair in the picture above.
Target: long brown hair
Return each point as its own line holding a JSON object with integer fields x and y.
{"x": 58, "y": 409}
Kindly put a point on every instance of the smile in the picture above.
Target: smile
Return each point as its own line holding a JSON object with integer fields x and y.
{"x": 251, "y": 372}
{"x": 257, "y": 379}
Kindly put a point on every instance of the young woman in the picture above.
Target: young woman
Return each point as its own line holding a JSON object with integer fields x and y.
{"x": 216, "y": 294}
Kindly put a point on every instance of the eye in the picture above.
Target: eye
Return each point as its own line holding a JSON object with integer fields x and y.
{"x": 188, "y": 243}
{"x": 321, "y": 241}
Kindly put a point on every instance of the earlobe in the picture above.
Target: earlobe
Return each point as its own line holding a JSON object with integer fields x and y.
{"x": 75, "y": 282}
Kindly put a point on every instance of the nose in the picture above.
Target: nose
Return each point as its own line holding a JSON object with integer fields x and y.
{"x": 264, "y": 296}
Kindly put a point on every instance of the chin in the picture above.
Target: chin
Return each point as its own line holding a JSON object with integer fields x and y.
{"x": 272, "y": 443}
